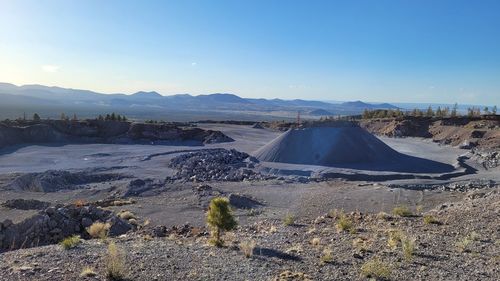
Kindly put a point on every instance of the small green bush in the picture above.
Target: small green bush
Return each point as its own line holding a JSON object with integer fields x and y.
{"x": 220, "y": 218}
{"x": 70, "y": 242}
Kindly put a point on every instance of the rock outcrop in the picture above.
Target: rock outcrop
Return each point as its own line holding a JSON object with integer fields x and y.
{"x": 98, "y": 131}
{"x": 56, "y": 223}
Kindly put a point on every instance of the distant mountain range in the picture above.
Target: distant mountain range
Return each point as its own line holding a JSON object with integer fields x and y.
{"x": 142, "y": 104}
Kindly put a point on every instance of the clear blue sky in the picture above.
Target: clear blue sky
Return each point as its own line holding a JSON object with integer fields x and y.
{"x": 378, "y": 50}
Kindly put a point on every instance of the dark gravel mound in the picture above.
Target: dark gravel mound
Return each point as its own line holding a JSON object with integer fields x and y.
{"x": 215, "y": 165}
{"x": 55, "y": 180}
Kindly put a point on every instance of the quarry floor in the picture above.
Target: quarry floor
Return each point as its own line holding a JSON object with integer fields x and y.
{"x": 177, "y": 204}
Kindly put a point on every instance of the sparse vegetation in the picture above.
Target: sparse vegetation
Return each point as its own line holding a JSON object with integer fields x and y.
{"x": 408, "y": 247}
{"x": 464, "y": 244}
{"x": 402, "y": 211}
{"x": 70, "y": 242}
{"x": 376, "y": 268}
{"x": 127, "y": 215}
{"x": 394, "y": 239}
{"x": 315, "y": 241}
{"x": 88, "y": 272}
{"x": 383, "y": 216}
{"x": 344, "y": 223}
{"x": 115, "y": 263}
{"x": 326, "y": 256}
{"x": 99, "y": 230}
{"x": 289, "y": 275}
{"x": 289, "y": 220}
{"x": 430, "y": 219}
{"x": 247, "y": 247}
{"x": 220, "y": 218}
{"x": 361, "y": 244}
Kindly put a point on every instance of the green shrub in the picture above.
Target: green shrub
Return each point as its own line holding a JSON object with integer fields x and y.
{"x": 70, "y": 242}
{"x": 220, "y": 218}
{"x": 402, "y": 211}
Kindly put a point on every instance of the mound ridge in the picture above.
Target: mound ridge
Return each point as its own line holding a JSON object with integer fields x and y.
{"x": 342, "y": 146}
{"x": 326, "y": 146}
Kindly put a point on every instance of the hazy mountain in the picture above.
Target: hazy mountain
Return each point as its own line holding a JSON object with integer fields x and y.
{"x": 362, "y": 105}
{"x": 320, "y": 112}
{"x": 20, "y": 98}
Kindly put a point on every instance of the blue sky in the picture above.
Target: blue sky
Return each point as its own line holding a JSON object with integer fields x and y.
{"x": 379, "y": 50}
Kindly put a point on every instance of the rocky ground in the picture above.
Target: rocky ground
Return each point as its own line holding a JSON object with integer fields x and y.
{"x": 460, "y": 242}
{"x": 48, "y": 193}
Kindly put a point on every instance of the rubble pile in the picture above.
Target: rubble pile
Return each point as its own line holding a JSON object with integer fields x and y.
{"x": 215, "y": 165}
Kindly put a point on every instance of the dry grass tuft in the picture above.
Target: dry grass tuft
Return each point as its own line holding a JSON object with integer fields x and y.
{"x": 430, "y": 219}
{"x": 377, "y": 269}
{"x": 289, "y": 275}
{"x": 315, "y": 242}
{"x": 289, "y": 220}
{"x": 402, "y": 211}
{"x": 247, "y": 247}
{"x": 408, "y": 247}
{"x": 88, "y": 272}
{"x": 70, "y": 242}
{"x": 394, "y": 239}
{"x": 326, "y": 256}
{"x": 344, "y": 223}
{"x": 464, "y": 244}
{"x": 115, "y": 263}
{"x": 99, "y": 230}
{"x": 127, "y": 215}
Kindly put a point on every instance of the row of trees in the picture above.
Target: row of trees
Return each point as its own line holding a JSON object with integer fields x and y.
{"x": 108, "y": 117}
{"x": 112, "y": 117}
{"x": 430, "y": 112}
